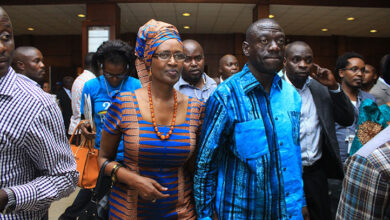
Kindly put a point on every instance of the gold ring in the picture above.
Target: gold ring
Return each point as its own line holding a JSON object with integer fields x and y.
{"x": 154, "y": 200}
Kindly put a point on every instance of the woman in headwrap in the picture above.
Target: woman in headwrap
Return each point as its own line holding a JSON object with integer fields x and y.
{"x": 159, "y": 127}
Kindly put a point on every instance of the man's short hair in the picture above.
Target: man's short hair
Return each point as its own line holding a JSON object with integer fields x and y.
{"x": 88, "y": 60}
{"x": 342, "y": 62}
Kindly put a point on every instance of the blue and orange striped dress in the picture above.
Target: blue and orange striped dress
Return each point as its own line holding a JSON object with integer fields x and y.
{"x": 164, "y": 161}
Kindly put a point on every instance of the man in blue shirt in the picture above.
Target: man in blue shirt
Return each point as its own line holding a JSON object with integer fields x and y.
{"x": 248, "y": 118}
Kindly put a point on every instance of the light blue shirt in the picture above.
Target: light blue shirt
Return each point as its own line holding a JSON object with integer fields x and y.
{"x": 189, "y": 90}
{"x": 249, "y": 163}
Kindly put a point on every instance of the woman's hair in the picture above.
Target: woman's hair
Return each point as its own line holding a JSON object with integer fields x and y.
{"x": 115, "y": 52}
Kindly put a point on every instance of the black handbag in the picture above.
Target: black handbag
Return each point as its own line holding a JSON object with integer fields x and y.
{"x": 98, "y": 207}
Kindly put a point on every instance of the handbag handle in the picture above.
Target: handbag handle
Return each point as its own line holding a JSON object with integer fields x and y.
{"x": 78, "y": 127}
{"x": 103, "y": 183}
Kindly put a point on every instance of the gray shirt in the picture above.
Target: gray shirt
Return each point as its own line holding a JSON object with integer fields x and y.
{"x": 202, "y": 94}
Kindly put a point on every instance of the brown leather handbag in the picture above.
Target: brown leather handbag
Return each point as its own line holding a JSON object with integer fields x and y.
{"x": 86, "y": 158}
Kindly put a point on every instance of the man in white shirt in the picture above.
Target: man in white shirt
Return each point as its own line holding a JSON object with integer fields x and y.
{"x": 323, "y": 103}
{"x": 77, "y": 89}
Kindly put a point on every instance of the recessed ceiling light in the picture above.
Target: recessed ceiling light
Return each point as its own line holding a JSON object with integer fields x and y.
{"x": 186, "y": 27}
{"x": 186, "y": 14}
{"x": 30, "y": 29}
{"x": 350, "y": 19}
{"x": 81, "y": 15}
{"x": 271, "y": 16}
{"x": 324, "y": 29}
{"x": 373, "y": 31}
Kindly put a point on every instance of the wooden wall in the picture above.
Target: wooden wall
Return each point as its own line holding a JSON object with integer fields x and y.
{"x": 63, "y": 52}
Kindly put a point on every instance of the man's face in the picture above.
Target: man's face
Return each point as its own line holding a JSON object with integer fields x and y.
{"x": 7, "y": 45}
{"x": 229, "y": 66}
{"x": 193, "y": 64}
{"x": 298, "y": 63}
{"x": 33, "y": 65}
{"x": 352, "y": 74}
{"x": 265, "y": 48}
{"x": 369, "y": 75}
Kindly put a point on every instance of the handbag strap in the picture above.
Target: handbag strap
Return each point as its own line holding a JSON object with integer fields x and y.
{"x": 103, "y": 183}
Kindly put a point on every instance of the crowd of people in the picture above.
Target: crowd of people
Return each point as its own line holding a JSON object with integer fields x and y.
{"x": 282, "y": 138}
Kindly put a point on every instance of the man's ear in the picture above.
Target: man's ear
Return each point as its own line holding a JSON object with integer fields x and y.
{"x": 20, "y": 65}
{"x": 341, "y": 73}
{"x": 245, "y": 48}
{"x": 284, "y": 61}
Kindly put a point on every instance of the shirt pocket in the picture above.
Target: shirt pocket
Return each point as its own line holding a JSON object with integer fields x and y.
{"x": 250, "y": 139}
{"x": 295, "y": 123}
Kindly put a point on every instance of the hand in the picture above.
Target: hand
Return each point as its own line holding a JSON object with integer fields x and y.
{"x": 3, "y": 199}
{"x": 86, "y": 131}
{"x": 149, "y": 189}
{"x": 305, "y": 213}
{"x": 324, "y": 76}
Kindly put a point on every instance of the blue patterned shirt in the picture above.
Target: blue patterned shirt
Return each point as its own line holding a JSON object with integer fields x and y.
{"x": 240, "y": 172}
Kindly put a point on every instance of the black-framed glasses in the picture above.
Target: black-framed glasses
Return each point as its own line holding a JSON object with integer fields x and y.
{"x": 165, "y": 56}
{"x": 196, "y": 58}
{"x": 110, "y": 75}
{"x": 355, "y": 69}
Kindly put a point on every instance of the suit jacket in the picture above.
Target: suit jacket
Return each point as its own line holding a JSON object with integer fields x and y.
{"x": 381, "y": 92}
{"x": 66, "y": 107}
{"x": 331, "y": 108}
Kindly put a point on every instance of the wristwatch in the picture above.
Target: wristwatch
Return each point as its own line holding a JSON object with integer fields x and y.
{"x": 11, "y": 205}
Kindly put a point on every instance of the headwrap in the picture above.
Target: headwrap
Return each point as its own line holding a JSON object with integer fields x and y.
{"x": 149, "y": 37}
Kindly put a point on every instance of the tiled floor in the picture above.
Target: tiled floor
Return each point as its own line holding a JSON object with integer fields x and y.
{"x": 58, "y": 207}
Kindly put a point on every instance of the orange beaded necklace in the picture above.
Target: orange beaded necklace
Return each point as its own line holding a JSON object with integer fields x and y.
{"x": 162, "y": 137}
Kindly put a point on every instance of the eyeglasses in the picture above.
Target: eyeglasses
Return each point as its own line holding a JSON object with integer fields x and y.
{"x": 165, "y": 56}
{"x": 196, "y": 58}
{"x": 355, "y": 69}
{"x": 109, "y": 75}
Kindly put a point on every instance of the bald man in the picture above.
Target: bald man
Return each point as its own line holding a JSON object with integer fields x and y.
{"x": 228, "y": 65}
{"x": 323, "y": 104}
{"x": 36, "y": 163}
{"x": 249, "y": 161}
{"x": 194, "y": 81}
{"x": 28, "y": 61}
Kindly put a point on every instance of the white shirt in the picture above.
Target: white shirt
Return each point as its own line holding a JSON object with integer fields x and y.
{"x": 77, "y": 89}
{"x": 310, "y": 127}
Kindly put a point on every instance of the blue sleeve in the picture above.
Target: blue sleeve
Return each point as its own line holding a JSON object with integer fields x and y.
{"x": 215, "y": 123}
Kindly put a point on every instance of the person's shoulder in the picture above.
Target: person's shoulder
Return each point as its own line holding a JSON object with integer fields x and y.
{"x": 32, "y": 93}
{"x": 366, "y": 95}
{"x": 133, "y": 83}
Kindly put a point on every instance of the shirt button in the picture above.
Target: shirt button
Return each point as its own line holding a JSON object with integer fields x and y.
{"x": 276, "y": 118}
{"x": 281, "y": 143}
{"x": 284, "y": 168}
{"x": 287, "y": 194}
{"x": 289, "y": 216}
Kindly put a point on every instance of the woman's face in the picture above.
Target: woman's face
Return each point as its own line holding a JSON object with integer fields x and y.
{"x": 168, "y": 70}
{"x": 114, "y": 73}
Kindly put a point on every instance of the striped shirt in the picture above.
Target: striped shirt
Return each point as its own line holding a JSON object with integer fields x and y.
{"x": 239, "y": 170}
{"x": 36, "y": 161}
{"x": 77, "y": 90}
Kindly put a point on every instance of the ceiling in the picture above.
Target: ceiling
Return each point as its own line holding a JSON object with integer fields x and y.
{"x": 214, "y": 18}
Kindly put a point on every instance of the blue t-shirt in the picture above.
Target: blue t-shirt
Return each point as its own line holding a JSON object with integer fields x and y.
{"x": 101, "y": 97}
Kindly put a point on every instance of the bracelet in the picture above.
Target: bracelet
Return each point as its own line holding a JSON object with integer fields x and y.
{"x": 113, "y": 172}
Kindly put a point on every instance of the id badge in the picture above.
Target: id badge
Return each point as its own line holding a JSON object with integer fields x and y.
{"x": 349, "y": 140}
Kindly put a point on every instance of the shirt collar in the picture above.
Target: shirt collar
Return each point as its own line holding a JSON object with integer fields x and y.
{"x": 249, "y": 82}
{"x": 208, "y": 82}
{"x": 7, "y": 82}
{"x": 87, "y": 72}
{"x": 28, "y": 79}
{"x": 305, "y": 85}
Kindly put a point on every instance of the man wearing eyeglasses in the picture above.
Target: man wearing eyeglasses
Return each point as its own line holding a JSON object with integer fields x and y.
{"x": 194, "y": 81}
{"x": 349, "y": 70}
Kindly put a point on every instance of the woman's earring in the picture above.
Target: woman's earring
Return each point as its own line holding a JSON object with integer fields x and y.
{"x": 150, "y": 71}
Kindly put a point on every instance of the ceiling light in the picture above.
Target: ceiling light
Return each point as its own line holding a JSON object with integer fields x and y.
{"x": 350, "y": 19}
{"x": 324, "y": 29}
{"x": 271, "y": 16}
{"x": 30, "y": 29}
{"x": 186, "y": 14}
{"x": 373, "y": 31}
{"x": 186, "y": 27}
{"x": 81, "y": 15}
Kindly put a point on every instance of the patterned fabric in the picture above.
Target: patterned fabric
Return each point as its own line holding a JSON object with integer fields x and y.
{"x": 241, "y": 171}
{"x": 149, "y": 37}
{"x": 36, "y": 161}
{"x": 164, "y": 161}
{"x": 366, "y": 188}
{"x": 346, "y": 134}
{"x": 77, "y": 89}
{"x": 372, "y": 120}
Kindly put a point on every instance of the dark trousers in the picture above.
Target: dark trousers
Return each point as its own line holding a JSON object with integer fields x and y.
{"x": 78, "y": 205}
{"x": 335, "y": 187}
{"x": 315, "y": 186}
